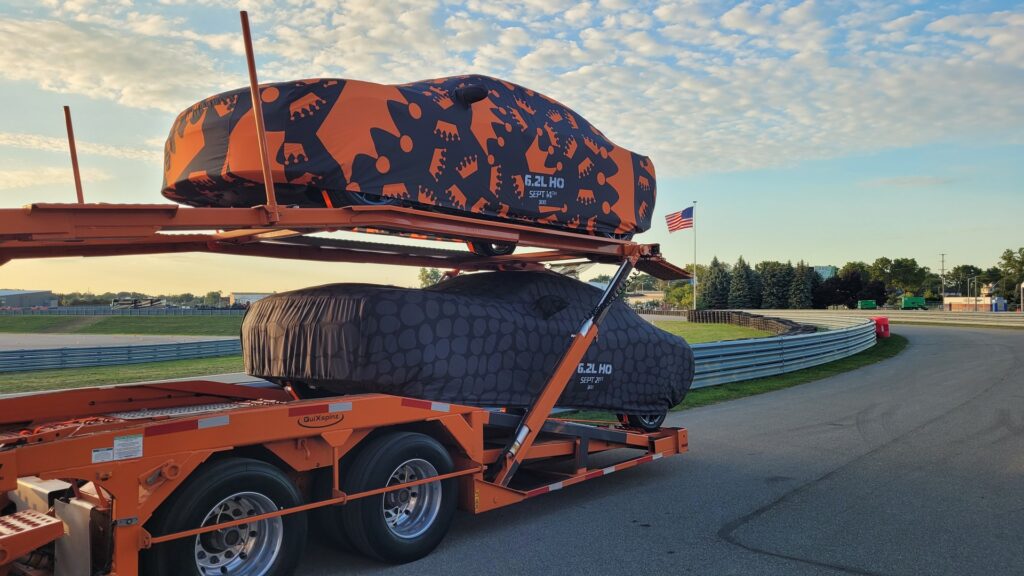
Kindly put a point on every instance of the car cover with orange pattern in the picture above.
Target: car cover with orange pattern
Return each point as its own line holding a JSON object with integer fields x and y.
{"x": 468, "y": 144}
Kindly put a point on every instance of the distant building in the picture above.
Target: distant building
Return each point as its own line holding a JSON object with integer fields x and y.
{"x": 826, "y": 272}
{"x": 27, "y": 298}
{"x": 246, "y": 298}
{"x": 986, "y": 301}
{"x": 974, "y": 304}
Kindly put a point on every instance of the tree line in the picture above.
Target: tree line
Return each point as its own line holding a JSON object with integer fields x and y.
{"x": 212, "y": 299}
{"x": 775, "y": 285}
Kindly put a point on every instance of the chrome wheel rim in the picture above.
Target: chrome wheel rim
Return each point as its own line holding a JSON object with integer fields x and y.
{"x": 244, "y": 550}
{"x": 409, "y": 512}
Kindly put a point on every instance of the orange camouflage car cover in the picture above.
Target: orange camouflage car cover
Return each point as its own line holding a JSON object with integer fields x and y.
{"x": 470, "y": 144}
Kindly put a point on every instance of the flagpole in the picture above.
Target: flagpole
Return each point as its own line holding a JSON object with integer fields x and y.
{"x": 694, "y": 220}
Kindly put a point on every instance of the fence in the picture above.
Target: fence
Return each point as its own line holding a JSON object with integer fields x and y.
{"x": 998, "y": 319}
{"x": 18, "y": 360}
{"x": 108, "y": 311}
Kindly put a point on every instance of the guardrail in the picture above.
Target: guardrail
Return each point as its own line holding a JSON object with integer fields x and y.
{"x": 736, "y": 360}
{"x": 716, "y": 362}
{"x": 52, "y": 358}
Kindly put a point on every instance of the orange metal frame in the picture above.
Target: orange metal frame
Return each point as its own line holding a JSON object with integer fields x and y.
{"x": 127, "y": 448}
{"x": 59, "y": 434}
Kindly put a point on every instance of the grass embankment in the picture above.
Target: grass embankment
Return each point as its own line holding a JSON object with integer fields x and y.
{"x": 885, "y": 348}
{"x": 697, "y": 333}
{"x": 103, "y": 375}
{"x": 149, "y": 325}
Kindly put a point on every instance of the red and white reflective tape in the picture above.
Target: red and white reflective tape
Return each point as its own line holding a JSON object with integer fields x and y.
{"x": 426, "y": 405}
{"x": 213, "y": 422}
{"x": 188, "y": 425}
{"x": 594, "y": 474}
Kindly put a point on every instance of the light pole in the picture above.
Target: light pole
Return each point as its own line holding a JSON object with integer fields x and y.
{"x": 970, "y": 294}
{"x": 1020, "y": 303}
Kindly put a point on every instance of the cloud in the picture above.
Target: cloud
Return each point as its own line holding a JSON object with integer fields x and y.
{"x": 909, "y": 182}
{"x": 698, "y": 87}
{"x": 18, "y": 178}
{"x": 52, "y": 144}
{"x": 102, "y": 63}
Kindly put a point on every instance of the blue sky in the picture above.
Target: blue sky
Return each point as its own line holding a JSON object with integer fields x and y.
{"x": 826, "y": 131}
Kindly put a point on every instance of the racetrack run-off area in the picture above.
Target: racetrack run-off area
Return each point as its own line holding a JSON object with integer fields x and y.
{"x": 908, "y": 466}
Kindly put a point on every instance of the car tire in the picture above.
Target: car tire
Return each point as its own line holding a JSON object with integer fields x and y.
{"x": 492, "y": 248}
{"x": 646, "y": 422}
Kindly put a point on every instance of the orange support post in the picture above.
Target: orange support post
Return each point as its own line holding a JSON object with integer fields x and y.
{"x": 257, "y": 113}
{"x": 74, "y": 155}
{"x": 530, "y": 427}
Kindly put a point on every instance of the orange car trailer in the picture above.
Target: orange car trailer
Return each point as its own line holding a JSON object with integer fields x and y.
{"x": 122, "y": 454}
{"x": 210, "y": 478}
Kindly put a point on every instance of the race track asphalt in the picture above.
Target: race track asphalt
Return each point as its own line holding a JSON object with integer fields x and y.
{"x": 914, "y": 465}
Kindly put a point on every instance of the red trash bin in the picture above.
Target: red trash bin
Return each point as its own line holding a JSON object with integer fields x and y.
{"x": 881, "y": 326}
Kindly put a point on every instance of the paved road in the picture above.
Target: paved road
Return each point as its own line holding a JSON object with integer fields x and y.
{"x": 43, "y": 341}
{"x": 914, "y": 466}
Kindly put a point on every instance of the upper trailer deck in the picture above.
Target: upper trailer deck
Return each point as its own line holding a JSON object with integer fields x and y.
{"x": 61, "y": 230}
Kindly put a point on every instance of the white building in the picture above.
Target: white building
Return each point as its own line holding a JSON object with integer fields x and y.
{"x": 246, "y": 298}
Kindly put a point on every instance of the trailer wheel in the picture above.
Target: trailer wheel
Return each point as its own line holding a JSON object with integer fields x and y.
{"x": 226, "y": 490}
{"x": 647, "y": 422}
{"x": 403, "y": 525}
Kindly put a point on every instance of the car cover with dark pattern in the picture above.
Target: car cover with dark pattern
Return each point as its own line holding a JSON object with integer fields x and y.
{"x": 469, "y": 144}
{"x": 487, "y": 339}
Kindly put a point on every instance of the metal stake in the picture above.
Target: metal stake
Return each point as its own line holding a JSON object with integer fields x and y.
{"x": 74, "y": 155}
{"x": 257, "y": 112}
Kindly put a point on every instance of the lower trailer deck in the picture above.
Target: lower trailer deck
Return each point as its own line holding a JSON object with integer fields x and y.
{"x": 126, "y": 448}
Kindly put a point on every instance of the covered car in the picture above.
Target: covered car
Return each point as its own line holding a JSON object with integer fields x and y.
{"x": 472, "y": 145}
{"x": 486, "y": 339}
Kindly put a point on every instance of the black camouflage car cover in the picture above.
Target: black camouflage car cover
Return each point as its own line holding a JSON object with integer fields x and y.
{"x": 469, "y": 144}
{"x": 488, "y": 339}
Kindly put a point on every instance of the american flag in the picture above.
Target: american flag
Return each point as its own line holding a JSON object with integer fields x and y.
{"x": 680, "y": 220}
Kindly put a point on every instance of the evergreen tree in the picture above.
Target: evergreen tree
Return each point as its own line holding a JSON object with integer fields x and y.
{"x": 775, "y": 279}
{"x": 801, "y": 290}
{"x": 742, "y": 286}
{"x": 713, "y": 290}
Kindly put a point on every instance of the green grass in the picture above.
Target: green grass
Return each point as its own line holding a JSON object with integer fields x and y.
{"x": 697, "y": 333}
{"x": 103, "y": 375}
{"x": 885, "y": 348}
{"x": 150, "y": 325}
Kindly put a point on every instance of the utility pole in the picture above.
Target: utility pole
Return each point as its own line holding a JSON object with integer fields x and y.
{"x": 942, "y": 273}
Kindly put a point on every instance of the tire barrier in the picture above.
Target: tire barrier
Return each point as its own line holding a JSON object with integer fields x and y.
{"x": 750, "y": 319}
